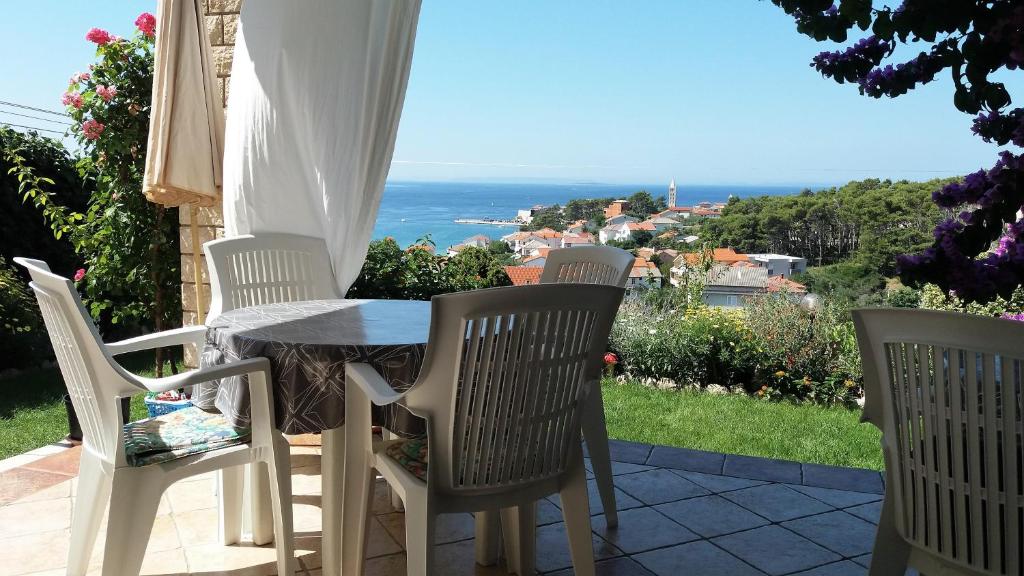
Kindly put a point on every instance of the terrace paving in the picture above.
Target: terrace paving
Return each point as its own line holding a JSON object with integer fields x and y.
{"x": 680, "y": 511}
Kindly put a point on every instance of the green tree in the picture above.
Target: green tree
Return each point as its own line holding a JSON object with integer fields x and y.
{"x": 550, "y": 217}
{"x": 475, "y": 268}
{"x": 642, "y": 205}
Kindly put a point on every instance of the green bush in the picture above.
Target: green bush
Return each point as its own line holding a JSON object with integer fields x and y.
{"x": 773, "y": 348}
{"x": 933, "y": 298}
{"x": 22, "y": 337}
{"x": 416, "y": 273}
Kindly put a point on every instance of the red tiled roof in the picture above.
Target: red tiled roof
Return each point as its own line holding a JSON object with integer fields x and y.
{"x": 547, "y": 233}
{"x": 522, "y": 275}
{"x": 782, "y": 284}
{"x": 722, "y": 255}
{"x": 641, "y": 226}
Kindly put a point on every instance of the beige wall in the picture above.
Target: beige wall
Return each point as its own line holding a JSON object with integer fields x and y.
{"x": 221, "y": 23}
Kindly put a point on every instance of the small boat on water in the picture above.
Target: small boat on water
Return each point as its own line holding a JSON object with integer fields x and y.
{"x": 490, "y": 221}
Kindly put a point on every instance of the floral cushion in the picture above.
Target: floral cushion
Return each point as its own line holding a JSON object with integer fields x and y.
{"x": 411, "y": 454}
{"x": 178, "y": 434}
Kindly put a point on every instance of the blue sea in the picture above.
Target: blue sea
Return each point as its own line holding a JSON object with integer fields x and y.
{"x": 411, "y": 210}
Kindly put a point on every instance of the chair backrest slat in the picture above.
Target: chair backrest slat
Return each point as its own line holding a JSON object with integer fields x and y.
{"x": 505, "y": 378}
{"x": 946, "y": 391}
{"x": 267, "y": 268}
{"x": 587, "y": 265}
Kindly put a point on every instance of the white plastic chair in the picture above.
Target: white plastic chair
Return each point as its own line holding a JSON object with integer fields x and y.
{"x": 945, "y": 389}
{"x": 96, "y": 384}
{"x": 249, "y": 270}
{"x": 502, "y": 389}
{"x": 267, "y": 268}
{"x": 593, "y": 265}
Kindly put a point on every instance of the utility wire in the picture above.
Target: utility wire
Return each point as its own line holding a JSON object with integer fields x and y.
{"x": 43, "y": 110}
{"x": 36, "y": 117}
{"x": 31, "y": 128}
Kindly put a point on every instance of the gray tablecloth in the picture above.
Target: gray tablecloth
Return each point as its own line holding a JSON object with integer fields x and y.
{"x": 308, "y": 344}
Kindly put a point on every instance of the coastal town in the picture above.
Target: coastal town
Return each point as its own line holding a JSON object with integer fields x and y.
{"x": 666, "y": 248}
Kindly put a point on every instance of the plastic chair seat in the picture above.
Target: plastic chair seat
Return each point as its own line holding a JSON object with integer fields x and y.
{"x": 178, "y": 434}
{"x": 411, "y": 454}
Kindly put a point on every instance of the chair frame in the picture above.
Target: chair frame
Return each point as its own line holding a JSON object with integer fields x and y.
{"x": 433, "y": 397}
{"x": 97, "y": 383}
{"x": 934, "y": 385}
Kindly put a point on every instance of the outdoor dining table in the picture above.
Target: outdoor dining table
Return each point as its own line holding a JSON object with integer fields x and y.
{"x": 308, "y": 344}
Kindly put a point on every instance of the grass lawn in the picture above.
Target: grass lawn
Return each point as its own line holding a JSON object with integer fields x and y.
{"x": 741, "y": 425}
{"x": 32, "y": 409}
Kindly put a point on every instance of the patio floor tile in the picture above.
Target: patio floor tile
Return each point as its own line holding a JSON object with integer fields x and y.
{"x": 717, "y": 483}
{"x": 842, "y": 478}
{"x": 837, "y": 531}
{"x": 621, "y": 566}
{"x": 553, "y": 548}
{"x": 687, "y": 459}
{"x": 870, "y": 512}
{"x": 658, "y": 486}
{"x": 19, "y": 483}
{"x": 643, "y": 529}
{"x": 762, "y": 469}
{"x": 695, "y": 559}
{"x": 620, "y": 468}
{"x": 841, "y": 568}
{"x": 630, "y": 452}
{"x": 711, "y": 516}
{"x": 548, "y": 513}
{"x": 623, "y": 501}
{"x": 837, "y": 498}
{"x": 775, "y": 550}
{"x": 776, "y": 502}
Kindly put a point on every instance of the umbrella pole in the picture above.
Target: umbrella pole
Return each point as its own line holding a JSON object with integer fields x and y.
{"x": 197, "y": 263}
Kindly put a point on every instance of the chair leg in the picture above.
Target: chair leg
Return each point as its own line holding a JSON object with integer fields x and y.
{"x": 231, "y": 482}
{"x": 595, "y": 432}
{"x": 519, "y": 526}
{"x": 259, "y": 493}
{"x": 357, "y": 499}
{"x": 93, "y": 495}
{"x": 891, "y": 551}
{"x": 576, "y": 512}
{"x": 133, "y": 504}
{"x": 396, "y": 500}
{"x": 332, "y": 466}
{"x": 419, "y": 536}
{"x": 279, "y": 466}
{"x": 488, "y": 540}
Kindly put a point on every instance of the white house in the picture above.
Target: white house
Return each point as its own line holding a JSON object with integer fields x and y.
{"x": 611, "y": 232}
{"x": 779, "y": 264}
{"x": 579, "y": 239}
{"x": 644, "y": 273}
{"x": 478, "y": 241}
{"x": 730, "y": 286}
{"x": 620, "y": 219}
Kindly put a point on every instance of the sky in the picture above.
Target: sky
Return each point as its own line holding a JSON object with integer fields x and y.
{"x": 702, "y": 91}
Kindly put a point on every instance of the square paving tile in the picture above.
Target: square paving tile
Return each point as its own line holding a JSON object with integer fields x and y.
{"x": 623, "y": 501}
{"x": 658, "y": 486}
{"x": 837, "y": 498}
{"x": 775, "y": 550}
{"x": 631, "y": 452}
{"x": 687, "y": 459}
{"x": 777, "y": 502}
{"x": 615, "y": 567}
{"x": 842, "y": 568}
{"x": 553, "y": 548}
{"x": 870, "y": 512}
{"x": 856, "y": 479}
{"x": 548, "y": 513}
{"x": 711, "y": 516}
{"x": 717, "y": 483}
{"x": 699, "y": 558}
{"x": 762, "y": 469}
{"x": 643, "y": 529}
{"x": 837, "y": 531}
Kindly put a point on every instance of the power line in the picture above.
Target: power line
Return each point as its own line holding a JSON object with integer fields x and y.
{"x": 35, "y": 117}
{"x": 31, "y": 128}
{"x": 43, "y": 110}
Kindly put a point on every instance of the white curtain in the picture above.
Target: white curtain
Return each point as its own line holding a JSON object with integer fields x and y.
{"x": 315, "y": 98}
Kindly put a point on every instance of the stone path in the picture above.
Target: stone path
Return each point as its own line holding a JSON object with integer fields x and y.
{"x": 680, "y": 511}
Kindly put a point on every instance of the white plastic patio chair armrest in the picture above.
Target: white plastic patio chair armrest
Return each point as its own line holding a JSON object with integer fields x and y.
{"x": 371, "y": 383}
{"x": 192, "y": 377}
{"x": 187, "y": 335}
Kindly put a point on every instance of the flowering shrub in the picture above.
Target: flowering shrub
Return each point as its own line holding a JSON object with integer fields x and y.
{"x": 975, "y": 41}
{"x": 772, "y": 348}
{"x": 128, "y": 246}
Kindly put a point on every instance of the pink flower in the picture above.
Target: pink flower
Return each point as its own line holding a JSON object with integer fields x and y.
{"x": 146, "y": 23}
{"x": 73, "y": 99}
{"x": 100, "y": 37}
{"x": 79, "y": 274}
{"x": 80, "y": 77}
{"x": 611, "y": 358}
{"x": 106, "y": 92}
{"x": 92, "y": 129}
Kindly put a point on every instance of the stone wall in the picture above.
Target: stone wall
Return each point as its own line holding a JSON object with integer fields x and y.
{"x": 221, "y": 24}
